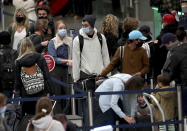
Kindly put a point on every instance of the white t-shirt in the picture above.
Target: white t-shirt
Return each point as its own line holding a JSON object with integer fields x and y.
{"x": 17, "y": 37}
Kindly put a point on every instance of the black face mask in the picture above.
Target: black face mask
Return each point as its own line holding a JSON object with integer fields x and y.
{"x": 139, "y": 44}
{"x": 19, "y": 19}
{"x": 42, "y": 17}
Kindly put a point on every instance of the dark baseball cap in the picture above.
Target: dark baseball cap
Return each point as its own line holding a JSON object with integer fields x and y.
{"x": 145, "y": 30}
{"x": 166, "y": 38}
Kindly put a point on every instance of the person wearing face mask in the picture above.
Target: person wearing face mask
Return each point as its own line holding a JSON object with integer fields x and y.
{"x": 37, "y": 38}
{"x": 19, "y": 28}
{"x": 94, "y": 56}
{"x": 60, "y": 48}
{"x": 135, "y": 60}
{"x": 43, "y": 12}
{"x": 3, "y": 123}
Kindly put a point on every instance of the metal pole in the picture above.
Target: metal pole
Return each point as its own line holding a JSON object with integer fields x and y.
{"x": 152, "y": 84}
{"x": 151, "y": 112}
{"x": 90, "y": 108}
{"x": 159, "y": 107}
{"x": 2, "y": 15}
{"x": 137, "y": 9}
{"x": 185, "y": 124}
{"x": 73, "y": 101}
{"x": 179, "y": 100}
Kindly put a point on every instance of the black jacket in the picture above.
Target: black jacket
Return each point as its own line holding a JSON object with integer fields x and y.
{"x": 28, "y": 61}
{"x": 178, "y": 65}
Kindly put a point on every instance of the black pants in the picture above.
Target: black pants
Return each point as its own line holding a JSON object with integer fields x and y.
{"x": 60, "y": 73}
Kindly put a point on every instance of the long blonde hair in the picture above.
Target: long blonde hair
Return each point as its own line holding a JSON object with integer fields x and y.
{"x": 43, "y": 108}
{"x": 26, "y": 47}
{"x": 110, "y": 25}
{"x": 23, "y": 12}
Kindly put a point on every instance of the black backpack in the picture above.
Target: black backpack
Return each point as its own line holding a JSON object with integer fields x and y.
{"x": 7, "y": 66}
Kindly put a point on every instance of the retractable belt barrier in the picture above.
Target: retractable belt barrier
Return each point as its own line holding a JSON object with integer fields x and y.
{"x": 83, "y": 94}
{"x": 135, "y": 125}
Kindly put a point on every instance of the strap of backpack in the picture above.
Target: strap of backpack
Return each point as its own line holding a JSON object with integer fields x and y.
{"x": 81, "y": 42}
{"x": 100, "y": 39}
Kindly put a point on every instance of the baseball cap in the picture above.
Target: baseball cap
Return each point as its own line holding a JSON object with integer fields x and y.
{"x": 145, "y": 30}
{"x": 168, "y": 18}
{"x": 166, "y": 38}
{"x": 135, "y": 34}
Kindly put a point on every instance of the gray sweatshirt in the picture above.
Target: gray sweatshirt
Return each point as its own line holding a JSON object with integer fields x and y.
{"x": 93, "y": 58}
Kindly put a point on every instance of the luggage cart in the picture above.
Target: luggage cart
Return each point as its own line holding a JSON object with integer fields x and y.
{"x": 145, "y": 95}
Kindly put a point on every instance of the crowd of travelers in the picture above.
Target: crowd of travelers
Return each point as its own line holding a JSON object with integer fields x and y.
{"x": 126, "y": 56}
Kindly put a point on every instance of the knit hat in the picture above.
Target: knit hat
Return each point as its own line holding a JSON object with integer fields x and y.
{"x": 5, "y": 38}
{"x": 90, "y": 19}
{"x": 168, "y": 18}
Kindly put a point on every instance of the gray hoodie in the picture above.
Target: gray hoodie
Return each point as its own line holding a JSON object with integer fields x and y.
{"x": 43, "y": 123}
{"x": 93, "y": 58}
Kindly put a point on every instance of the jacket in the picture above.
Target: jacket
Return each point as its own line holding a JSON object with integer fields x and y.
{"x": 3, "y": 124}
{"x": 116, "y": 83}
{"x": 111, "y": 40}
{"x": 168, "y": 61}
{"x": 62, "y": 50}
{"x": 177, "y": 68}
{"x": 94, "y": 58}
{"x": 13, "y": 31}
{"x": 44, "y": 122}
{"x": 29, "y": 60}
{"x": 167, "y": 101}
{"x": 132, "y": 62}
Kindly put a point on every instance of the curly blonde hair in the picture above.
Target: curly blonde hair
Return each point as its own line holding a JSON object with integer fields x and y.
{"x": 130, "y": 23}
{"x": 110, "y": 25}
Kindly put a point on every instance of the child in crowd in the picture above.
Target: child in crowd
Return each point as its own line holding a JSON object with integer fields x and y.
{"x": 3, "y": 123}
{"x": 143, "y": 113}
{"x": 142, "y": 107}
{"x": 166, "y": 99}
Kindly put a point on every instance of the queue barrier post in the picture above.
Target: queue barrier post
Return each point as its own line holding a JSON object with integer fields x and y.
{"x": 179, "y": 100}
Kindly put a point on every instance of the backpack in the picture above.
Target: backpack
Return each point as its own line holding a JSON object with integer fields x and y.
{"x": 32, "y": 79}
{"x": 7, "y": 67}
{"x": 81, "y": 41}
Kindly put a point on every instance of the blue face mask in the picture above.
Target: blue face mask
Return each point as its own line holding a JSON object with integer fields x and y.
{"x": 62, "y": 32}
{"x": 2, "y": 111}
{"x": 86, "y": 30}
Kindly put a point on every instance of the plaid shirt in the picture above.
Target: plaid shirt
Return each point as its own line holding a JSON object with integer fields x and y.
{"x": 167, "y": 5}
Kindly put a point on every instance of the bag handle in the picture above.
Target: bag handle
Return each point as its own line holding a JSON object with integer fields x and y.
{"x": 51, "y": 124}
